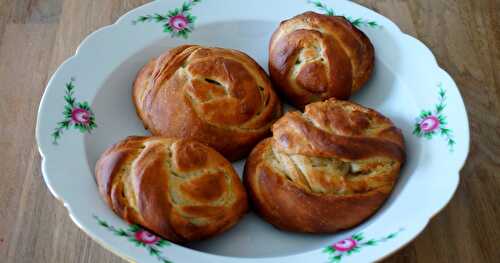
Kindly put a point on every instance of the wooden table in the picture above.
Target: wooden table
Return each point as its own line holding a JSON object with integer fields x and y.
{"x": 38, "y": 35}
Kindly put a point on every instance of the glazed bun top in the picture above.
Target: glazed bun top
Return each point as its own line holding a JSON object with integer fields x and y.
{"x": 220, "y": 97}
{"x": 313, "y": 57}
{"x": 338, "y": 147}
{"x": 178, "y": 188}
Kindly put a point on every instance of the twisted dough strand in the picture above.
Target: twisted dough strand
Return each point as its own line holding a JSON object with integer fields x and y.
{"x": 179, "y": 189}
{"x": 313, "y": 57}
{"x": 326, "y": 169}
{"x": 218, "y": 96}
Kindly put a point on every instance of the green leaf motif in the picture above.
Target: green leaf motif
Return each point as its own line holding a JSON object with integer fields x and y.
{"x": 371, "y": 242}
{"x": 425, "y": 114}
{"x": 428, "y": 135}
{"x": 443, "y": 130}
{"x": 70, "y": 100}
{"x": 417, "y": 130}
{"x": 358, "y": 236}
{"x": 122, "y": 233}
{"x": 167, "y": 29}
{"x": 142, "y": 19}
{"x": 56, "y": 134}
{"x": 67, "y": 112}
{"x": 70, "y": 86}
{"x": 183, "y": 34}
{"x": 329, "y": 250}
{"x": 159, "y": 18}
{"x": 358, "y": 22}
{"x": 186, "y": 7}
{"x": 136, "y": 242}
{"x": 442, "y": 93}
{"x": 65, "y": 124}
{"x": 191, "y": 18}
{"x": 100, "y": 221}
{"x": 153, "y": 249}
{"x": 68, "y": 109}
{"x": 134, "y": 228}
{"x": 323, "y": 7}
{"x": 335, "y": 256}
{"x": 439, "y": 107}
{"x": 162, "y": 243}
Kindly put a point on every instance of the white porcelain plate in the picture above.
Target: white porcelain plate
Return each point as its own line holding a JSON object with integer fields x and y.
{"x": 87, "y": 107}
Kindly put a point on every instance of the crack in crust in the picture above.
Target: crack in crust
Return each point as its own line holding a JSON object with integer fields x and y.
{"x": 225, "y": 98}
{"x": 326, "y": 169}
{"x": 180, "y": 189}
{"x": 313, "y": 57}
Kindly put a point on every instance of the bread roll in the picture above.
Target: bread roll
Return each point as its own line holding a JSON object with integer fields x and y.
{"x": 326, "y": 169}
{"x": 313, "y": 57}
{"x": 177, "y": 188}
{"x": 217, "y": 96}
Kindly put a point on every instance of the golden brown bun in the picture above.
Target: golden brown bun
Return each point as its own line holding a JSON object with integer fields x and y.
{"x": 180, "y": 189}
{"x": 313, "y": 57}
{"x": 325, "y": 170}
{"x": 220, "y": 97}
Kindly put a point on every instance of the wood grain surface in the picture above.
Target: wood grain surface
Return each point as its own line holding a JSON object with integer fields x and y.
{"x": 38, "y": 35}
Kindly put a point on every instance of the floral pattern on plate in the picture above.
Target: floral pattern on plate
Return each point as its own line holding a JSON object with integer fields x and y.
{"x": 140, "y": 237}
{"x": 76, "y": 114}
{"x": 353, "y": 244}
{"x": 179, "y": 22}
{"x": 432, "y": 123}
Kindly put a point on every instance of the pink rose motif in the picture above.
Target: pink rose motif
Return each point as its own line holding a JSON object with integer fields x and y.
{"x": 178, "y": 22}
{"x": 80, "y": 116}
{"x": 145, "y": 237}
{"x": 345, "y": 245}
{"x": 429, "y": 124}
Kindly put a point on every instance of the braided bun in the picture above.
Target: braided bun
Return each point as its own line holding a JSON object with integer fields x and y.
{"x": 326, "y": 169}
{"x": 180, "y": 189}
{"x": 220, "y": 97}
{"x": 313, "y": 57}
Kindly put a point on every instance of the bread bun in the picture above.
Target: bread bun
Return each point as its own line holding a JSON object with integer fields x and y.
{"x": 326, "y": 169}
{"x": 217, "y": 96}
{"x": 177, "y": 188}
{"x": 313, "y": 57}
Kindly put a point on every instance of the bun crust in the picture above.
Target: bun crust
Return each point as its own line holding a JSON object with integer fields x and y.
{"x": 313, "y": 57}
{"x": 326, "y": 169}
{"x": 178, "y": 188}
{"x": 220, "y": 97}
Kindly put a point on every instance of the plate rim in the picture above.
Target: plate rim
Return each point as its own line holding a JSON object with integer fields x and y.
{"x": 121, "y": 21}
